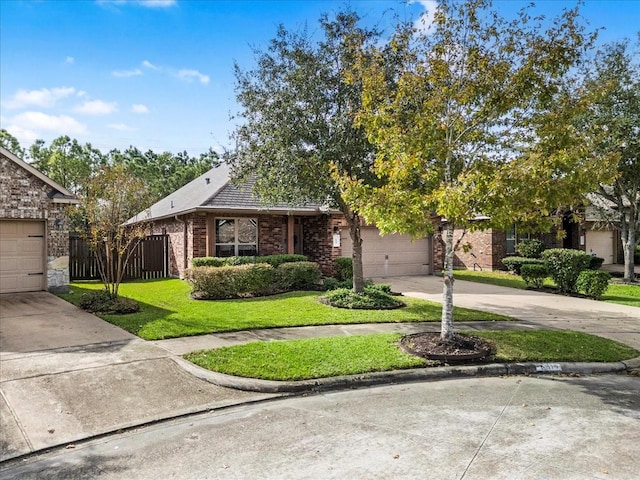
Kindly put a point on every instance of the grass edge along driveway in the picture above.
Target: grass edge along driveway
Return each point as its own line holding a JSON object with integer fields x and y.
{"x": 290, "y": 360}
{"x": 168, "y": 311}
{"x": 619, "y": 293}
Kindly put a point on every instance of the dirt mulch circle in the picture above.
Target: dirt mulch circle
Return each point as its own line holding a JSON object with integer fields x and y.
{"x": 461, "y": 348}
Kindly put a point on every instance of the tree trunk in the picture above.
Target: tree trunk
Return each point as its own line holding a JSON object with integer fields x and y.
{"x": 356, "y": 256}
{"x": 628, "y": 234}
{"x": 446, "y": 329}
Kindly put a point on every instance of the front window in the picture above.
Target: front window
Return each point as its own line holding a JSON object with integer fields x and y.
{"x": 236, "y": 237}
{"x": 513, "y": 238}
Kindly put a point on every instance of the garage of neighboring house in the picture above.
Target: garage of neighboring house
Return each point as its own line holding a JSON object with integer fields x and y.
{"x": 390, "y": 255}
{"x": 34, "y": 229}
{"x": 601, "y": 243}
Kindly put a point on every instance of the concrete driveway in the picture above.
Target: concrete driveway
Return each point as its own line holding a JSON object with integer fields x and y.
{"x": 609, "y": 320}
{"x": 67, "y": 375}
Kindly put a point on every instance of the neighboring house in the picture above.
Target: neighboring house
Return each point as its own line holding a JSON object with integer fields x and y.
{"x": 485, "y": 249}
{"x": 211, "y": 217}
{"x": 34, "y": 229}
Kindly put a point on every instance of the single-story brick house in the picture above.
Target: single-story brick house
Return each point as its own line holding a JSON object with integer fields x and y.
{"x": 487, "y": 248}
{"x": 34, "y": 228}
{"x": 212, "y": 217}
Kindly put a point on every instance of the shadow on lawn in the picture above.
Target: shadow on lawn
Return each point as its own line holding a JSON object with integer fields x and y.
{"x": 131, "y": 322}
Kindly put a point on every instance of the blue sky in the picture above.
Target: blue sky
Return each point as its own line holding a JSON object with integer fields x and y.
{"x": 158, "y": 74}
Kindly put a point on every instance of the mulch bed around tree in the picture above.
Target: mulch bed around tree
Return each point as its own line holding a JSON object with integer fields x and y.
{"x": 461, "y": 348}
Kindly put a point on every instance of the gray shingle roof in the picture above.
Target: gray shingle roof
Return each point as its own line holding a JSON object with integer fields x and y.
{"x": 210, "y": 192}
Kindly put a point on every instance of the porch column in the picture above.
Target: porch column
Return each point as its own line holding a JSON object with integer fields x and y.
{"x": 290, "y": 233}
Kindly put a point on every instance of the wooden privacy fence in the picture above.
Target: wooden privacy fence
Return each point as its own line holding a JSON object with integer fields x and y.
{"x": 149, "y": 259}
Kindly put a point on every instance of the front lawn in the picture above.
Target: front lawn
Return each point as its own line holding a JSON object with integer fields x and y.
{"x": 335, "y": 356}
{"x": 167, "y": 311}
{"x": 616, "y": 293}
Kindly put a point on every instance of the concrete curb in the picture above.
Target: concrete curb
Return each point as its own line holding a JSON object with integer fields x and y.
{"x": 400, "y": 376}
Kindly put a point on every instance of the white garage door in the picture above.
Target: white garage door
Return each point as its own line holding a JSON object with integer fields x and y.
{"x": 600, "y": 242}
{"x": 21, "y": 256}
{"x": 389, "y": 255}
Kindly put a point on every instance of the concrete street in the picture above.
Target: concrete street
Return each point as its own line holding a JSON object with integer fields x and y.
{"x": 490, "y": 428}
{"x": 67, "y": 376}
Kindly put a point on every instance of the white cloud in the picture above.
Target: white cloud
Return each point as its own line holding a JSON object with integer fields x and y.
{"x": 142, "y": 3}
{"x": 126, "y": 73}
{"x": 157, "y": 3}
{"x": 189, "y": 75}
{"x": 96, "y": 107}
{"x": 69, "y": 60}
{"x": 148, "y": 64}
{"x": 44, "y": 97}
{"x": 121, "y": 127}
{"x": 139, "y": 108}
{"x": 30, "y": 123}
{"x": 423, "y": 24}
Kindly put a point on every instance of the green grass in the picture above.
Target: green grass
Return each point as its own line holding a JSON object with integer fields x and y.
{"x": 167, "y": 311}
{"x": 308, "y": 358}
{"x": 335, "y": 356}
{"x": 616, "y": 293}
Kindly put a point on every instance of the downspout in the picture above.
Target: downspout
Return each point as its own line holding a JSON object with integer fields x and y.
{"x": 184, "y": 242}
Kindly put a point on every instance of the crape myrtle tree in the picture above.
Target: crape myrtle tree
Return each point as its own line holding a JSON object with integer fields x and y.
{"x": 477, "y": 121}
{"x": 111, "y": 197}
{"x": 613, "y": 77}
{"x": 297, "y": 117}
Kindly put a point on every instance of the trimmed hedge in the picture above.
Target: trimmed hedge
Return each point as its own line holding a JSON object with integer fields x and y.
{"x": 531, "y": 248}
{"x": 593, "y": 283}
{"x": 534, "y": 274}
{"x": 565, "y": 265}
{"x": 273, "y": 260}
{"x": 298, "y": 275}
{"x": 231, "y": 282}
{"x": 344, "y": 268}
{"x": 514, "y": 264}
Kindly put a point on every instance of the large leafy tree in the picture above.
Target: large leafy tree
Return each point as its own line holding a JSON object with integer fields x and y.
{"x": 11, "y": 143}
{"x": 66, "y": 161}
{"x": 614, "y": 80}
{"x": 163, "y": 172}
{"x": 297, "y": 120}
{"x": 475, "y": 124}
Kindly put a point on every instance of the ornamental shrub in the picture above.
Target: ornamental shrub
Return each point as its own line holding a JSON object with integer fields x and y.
{"x": 534, "y": 274}
{"x": 102, "y": 301}
{"x": 531, "y": 248}
{"x": 564, "y": 266}
{"x": 232, "y": 282}
{"x": 593, "y": 283}
{"x": 636, "y": 257}
{"x": 273, "y": 260}
{"x": 514, "y": 264}
{"x": 595, "y": 263}
{"x": 298, "y": 275}
{"x": 344, "y": 268}
{"x": 371, "y": 299}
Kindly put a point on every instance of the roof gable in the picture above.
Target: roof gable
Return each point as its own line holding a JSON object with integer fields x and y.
{"x": 62, "y": 195}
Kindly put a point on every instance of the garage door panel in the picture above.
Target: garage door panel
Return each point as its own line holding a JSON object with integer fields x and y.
{"x": 600, "y": 243}
{"x": 22, "y": 266}
{"x": 390, "y": 255}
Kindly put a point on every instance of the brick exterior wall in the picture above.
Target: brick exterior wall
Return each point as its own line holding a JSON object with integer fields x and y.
{"x": 272, "y": 238}
{"x": 318, "y": 241}
{"x": 272, "y": 234}
{"x": 25, "y": 197}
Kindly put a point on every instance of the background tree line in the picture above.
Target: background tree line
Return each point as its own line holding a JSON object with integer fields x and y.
{"x": 73, "y": 164}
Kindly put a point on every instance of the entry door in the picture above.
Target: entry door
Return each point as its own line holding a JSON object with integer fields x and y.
{"x": 22, "y": 266}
